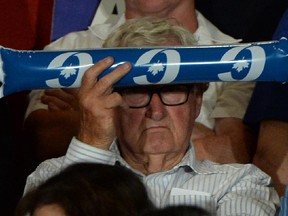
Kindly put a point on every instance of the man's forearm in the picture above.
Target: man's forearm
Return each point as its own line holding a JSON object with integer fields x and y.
{"x": 221, "y": 150}
{"x": 229, "y": 142}
{"x": 272, "y": 152}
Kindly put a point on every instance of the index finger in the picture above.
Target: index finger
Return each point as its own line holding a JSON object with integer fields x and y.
{"x": 90, "y": 76}
{"x": 105, "y": 84}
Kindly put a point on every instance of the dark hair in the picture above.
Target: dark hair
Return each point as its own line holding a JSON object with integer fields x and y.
{"x": 90, "y": 189}
{"x": 181, "y": 210}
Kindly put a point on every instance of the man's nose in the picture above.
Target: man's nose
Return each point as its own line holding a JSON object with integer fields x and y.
{"x": 156, "y": 109}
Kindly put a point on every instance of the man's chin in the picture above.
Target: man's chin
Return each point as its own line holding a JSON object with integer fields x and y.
{"x": 156, "y": 145}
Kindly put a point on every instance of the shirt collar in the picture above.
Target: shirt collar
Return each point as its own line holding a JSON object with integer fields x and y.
{"x": 189, "y": 160}
{"x": 103, "y": 30}
{"x": 200, "y": 167}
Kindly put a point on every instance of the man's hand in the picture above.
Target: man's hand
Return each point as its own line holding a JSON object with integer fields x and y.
{"x": 61, "y": 99}
{"x": 97, "y": 103}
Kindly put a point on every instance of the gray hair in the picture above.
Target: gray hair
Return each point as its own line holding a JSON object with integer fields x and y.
{"x": 149, "y": 31}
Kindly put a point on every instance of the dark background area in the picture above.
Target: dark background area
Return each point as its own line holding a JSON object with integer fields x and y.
{"x": 26, "y": 24}
{"x": 251, "y": 20}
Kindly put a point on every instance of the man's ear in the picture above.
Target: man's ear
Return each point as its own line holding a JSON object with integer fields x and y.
{"x": 202, "y": 87}
{"x": 198, "y": 102}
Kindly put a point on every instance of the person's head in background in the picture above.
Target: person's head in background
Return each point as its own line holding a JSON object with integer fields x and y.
{"x": 181, "y": 210}
{"x": 87, "y": 189}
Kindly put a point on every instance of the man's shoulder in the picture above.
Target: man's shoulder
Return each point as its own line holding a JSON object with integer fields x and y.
{"x": 93, "y": 37}
{"x": 76, "y": 40}
{"x": 231, "y": 169}
{"x": 44, "y": 171}
{"x": 49, "y": 167}
{"x": 208, "y": 34}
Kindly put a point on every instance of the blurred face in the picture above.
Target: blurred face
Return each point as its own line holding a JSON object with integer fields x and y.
{"x": 49, "y": 210}
{"x": 157, "y": 128}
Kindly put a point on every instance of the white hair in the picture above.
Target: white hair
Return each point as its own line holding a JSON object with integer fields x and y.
{"x": 149, "y": 31}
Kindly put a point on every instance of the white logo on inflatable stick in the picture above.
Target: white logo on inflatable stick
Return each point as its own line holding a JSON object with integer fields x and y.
{"x": 257, "y": 63}
{"x": 85, "y": 61}
{"x": 172, "y": 67}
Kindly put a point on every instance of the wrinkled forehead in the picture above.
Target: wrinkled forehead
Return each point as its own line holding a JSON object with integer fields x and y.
{"x": 152, "y": 86}
{"x": 203, "y": 86}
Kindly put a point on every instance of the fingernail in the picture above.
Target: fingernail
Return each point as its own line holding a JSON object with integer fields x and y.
{"x": 126, "y": 65}
{"x": 108, "y": 59}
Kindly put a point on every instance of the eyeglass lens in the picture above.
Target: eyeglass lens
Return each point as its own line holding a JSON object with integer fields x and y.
{"x": 170, "y": 95}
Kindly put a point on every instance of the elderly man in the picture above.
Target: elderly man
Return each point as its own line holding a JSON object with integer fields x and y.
{"x": 148, "y": 128}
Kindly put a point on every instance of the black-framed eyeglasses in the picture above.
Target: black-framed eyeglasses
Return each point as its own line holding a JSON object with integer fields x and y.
{"x": 172, "y": 95}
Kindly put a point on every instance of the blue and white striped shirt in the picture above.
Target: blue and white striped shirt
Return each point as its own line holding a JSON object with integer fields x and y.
{"x": 231, "y": 189}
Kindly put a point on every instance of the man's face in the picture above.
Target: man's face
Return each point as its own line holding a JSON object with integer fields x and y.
{"x": 157, "y": 128}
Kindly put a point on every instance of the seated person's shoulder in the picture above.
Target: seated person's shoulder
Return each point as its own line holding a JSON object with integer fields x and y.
{"x": 76, "y": 40}
{"x": 236, "y": 169}
{"x": 45, "y": 170}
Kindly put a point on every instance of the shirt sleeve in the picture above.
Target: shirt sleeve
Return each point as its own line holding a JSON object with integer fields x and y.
{"x": 44, "y": 171}
{"x": 81, "y": 152}
{"x": 284, "y": 204}
{"x": 224, "y": 100}
{"x": 233, "y": 100}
